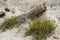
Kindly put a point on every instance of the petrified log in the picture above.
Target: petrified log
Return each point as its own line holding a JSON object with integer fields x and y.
{"x": 2, "y": 14}
{"x": 37, "y": 11}
{"x": 33, "y": 13}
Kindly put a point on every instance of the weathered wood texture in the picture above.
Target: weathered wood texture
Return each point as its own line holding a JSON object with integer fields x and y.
{"x": 37, "y": 11}
{"x": 33, "y": 13}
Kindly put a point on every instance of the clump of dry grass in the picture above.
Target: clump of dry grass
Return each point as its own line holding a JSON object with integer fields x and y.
{"x": 41, "y": 28}
{"x": 9, "y": 23}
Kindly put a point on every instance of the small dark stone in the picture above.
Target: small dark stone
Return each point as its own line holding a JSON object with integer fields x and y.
{"x": 2, "y": 14}
{"x": 51, "y": 6}
{"x": 13, "y": 11}
{"x": 21, "y": 19}
{"x": 7, "y": 9}
{"x": 4, "y": 0}
{"x": 58, "y": 18}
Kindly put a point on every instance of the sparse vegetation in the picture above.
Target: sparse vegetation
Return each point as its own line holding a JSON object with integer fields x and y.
{"x": 10, "y": 22}
{"x": 40, "y": 28}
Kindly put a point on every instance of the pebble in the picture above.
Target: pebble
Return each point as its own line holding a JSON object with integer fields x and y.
{"x": 7, "y": 9}
{"x": 55, "y": 36}
{"x": 2, "y": 14}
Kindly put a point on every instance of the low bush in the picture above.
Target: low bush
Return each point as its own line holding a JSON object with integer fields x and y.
{"x": 41, "y": 28}
{"x": 10, "y": 22}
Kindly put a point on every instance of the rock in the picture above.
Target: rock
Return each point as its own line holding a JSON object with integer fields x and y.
{"x": 7, "y": 9}
{"x": 59, "y": 3}
{"x": 21, "y": 19}
{"x": 2, "y": 14}
{"x": 13, "y": 10}
{"x": 59, "y": 19}
{"x": 55, "y": 36}
{"x": 37, "y": 11}
{"x": 4, "y": 0}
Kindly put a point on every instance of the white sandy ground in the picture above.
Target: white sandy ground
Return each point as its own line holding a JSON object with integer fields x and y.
{"x": 21, "y": 8}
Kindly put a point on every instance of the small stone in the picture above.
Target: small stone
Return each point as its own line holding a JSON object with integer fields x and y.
{"x": 4, "y": 0}
{"x": 2, "y": 14}
{"x": 13, "y": 11}
{"x": 21, "y": 19}
{"x": 59, "y": 3}
{"x": 7, "y": 9}
{"x": 55, "y": 36}
{"x": 59, "y": 19}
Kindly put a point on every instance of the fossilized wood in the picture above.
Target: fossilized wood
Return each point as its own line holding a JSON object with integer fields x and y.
{"x": 38, "y": 10}
{"x": 33, "y": 13}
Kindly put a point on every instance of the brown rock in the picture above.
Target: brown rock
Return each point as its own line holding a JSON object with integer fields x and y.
{"x": 37, "y": 11}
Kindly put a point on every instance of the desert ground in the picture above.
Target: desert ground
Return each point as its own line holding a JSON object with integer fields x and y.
{"x": 22, "y": 7}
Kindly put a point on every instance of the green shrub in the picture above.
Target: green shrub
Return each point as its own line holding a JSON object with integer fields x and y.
{"x": 10, "y": 22}
{"x": 41, "y": 28}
